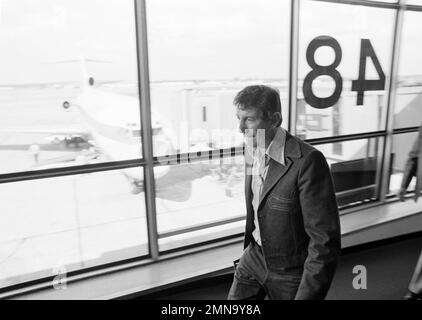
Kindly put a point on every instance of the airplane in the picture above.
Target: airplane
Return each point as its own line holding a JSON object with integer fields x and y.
{"x": 113, "y": 120}
{"x": 111, "y": 129}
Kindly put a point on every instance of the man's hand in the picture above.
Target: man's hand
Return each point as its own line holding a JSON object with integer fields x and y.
{"x": 401, "y": 194}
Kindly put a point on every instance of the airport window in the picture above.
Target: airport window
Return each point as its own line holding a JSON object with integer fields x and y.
{"x": 69, "y": 98}
{"x": 68, "y": 223}
{"x": 333, "y": 39}
{"x": 68, "y": 82}
{"x": 203, "y": 53}
{"x": 198, "y": 195}
{"x": 356, "y": 171}
{"x": 402, "y": 144}
{"x": 408, "y": 101}
{"x": 195, "y": 62}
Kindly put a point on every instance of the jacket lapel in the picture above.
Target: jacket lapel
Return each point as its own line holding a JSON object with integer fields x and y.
{"x": 249, "y": 207}
{"x": 248, "y": 184}
{"x": 276, "y": 170}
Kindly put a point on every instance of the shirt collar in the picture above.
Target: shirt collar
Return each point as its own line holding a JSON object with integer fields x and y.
{"x": 276, "y": 148}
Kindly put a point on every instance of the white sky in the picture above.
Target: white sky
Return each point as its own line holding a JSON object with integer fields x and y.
{"x": 189, "y": 39}
{"x": 36, "y": 32}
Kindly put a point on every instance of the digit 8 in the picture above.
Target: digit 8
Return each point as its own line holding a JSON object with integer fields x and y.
{"x": 318, "y": 70}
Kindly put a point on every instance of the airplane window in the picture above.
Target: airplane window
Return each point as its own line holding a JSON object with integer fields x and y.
{"x": 343, "y": 61}
{"x": 407, "y": 107}
{"x": 195, "y": 62}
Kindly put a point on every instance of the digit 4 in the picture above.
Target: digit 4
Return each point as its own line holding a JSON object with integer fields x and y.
{"x": 361, "y": 84}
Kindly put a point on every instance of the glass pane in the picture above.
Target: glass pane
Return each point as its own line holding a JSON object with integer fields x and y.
{"x": 199, "y": 193}
{"x": 402, "y": 144}
{"x": 354, "y": 169}
{"x": 68, "y": 223}
{"x": 408, "y": 111}
{"x": 202, "y": 53}
{"x": 68, "y": 83}
{"x": 345, "y": 25}
{"x": 200, "y": 236}
{"x": 414, "y": 2}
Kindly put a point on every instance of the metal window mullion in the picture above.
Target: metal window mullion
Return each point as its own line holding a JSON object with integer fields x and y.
{"x": 347, "y": 137}
{"x": 413, "y": 7}
{"x": 293, "y": 68}
{"x": 405, "y": 130}
{"x": 365, "y": 3}
{"x": 388, "y": 142}
{"x": 66, "y": 171}
{"x": 199, "y": 227}
{"x": 145, "y": 107}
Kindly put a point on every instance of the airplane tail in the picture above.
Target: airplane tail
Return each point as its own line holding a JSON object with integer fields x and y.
{"x": 87, "y": 79}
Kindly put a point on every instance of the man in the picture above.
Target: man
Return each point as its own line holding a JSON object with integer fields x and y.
{"x": 292, "y": 238}
{"x": 413, "y": 163}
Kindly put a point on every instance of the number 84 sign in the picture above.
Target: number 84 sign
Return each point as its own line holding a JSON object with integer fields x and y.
{"x": 360, "y": 85}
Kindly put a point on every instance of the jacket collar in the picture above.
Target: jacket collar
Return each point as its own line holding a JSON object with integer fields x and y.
{"x": 292, "y": 147}
{"x": 283, "y": 146}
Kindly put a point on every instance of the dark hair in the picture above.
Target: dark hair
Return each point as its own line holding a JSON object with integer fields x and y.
{"x": 264, "y": 98}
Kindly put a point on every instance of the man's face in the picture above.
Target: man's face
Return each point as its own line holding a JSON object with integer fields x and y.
{"x": 254, "y": 128}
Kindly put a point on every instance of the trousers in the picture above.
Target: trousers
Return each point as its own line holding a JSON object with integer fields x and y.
{"x": 415, "y": 284}
{"x": 253, "y": 281}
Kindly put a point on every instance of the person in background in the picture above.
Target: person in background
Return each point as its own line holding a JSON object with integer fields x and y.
{"x": 413, "y": 168}
{"x": 292, "y": 240}
{"x": 35, "y": 150}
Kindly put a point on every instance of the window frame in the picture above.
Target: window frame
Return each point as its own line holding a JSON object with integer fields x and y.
{"x": 148, "y": 162}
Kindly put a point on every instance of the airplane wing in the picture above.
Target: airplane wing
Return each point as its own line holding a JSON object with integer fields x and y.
{"x": 55, "y": 139}
{"x": 59, "y": 146}
{"x": 71, "y": 130}
{"x": 79, "y": 158}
